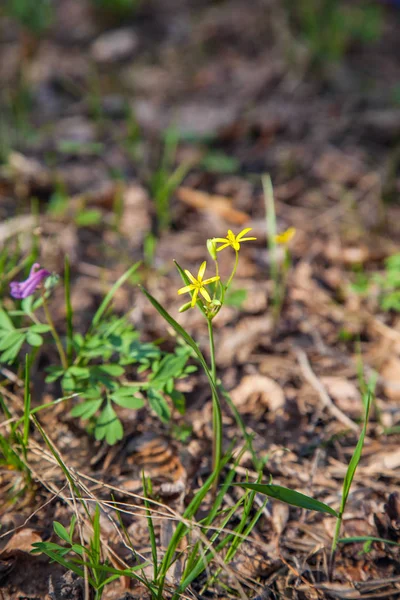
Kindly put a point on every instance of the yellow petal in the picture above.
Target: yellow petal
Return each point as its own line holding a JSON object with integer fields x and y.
{"x": 187, "y": 288}
{"x": 204, "y": 293}
{"x": 211, "y": 280}
{"x": 194, "y": 297}
{"x": 192, "y": 279}
{"x": 201, "y": 271}
{"x": 247, "y": 239}
{"x": 285, "y": 236}
{"x": 222, "y": 240}
{"x": 223, "y": 247}
{"x": 242, "y": 233}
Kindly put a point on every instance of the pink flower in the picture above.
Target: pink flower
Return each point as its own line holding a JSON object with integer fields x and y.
{"x": 26, "y": 288}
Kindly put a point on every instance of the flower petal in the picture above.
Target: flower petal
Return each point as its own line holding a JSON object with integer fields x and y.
{"x": 224, "y": 246}
{"x": 194, "y": 297}
{"x": 201, "y": 271}
{"x": 242, "y": 233}
{"x": 205, "y": 294}
{"x": 186, "y": 289}
{"x": 247, "y": 239}
{"x": 191, "y": 277}
{"x": 211, "y": 280}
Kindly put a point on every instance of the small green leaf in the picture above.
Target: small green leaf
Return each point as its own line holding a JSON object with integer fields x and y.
{"x": 87, "y": 409}
{"x": 114, "y": 370}
{"x": 9, "y": 338}
{"x": 34, "y": 339}
{"x": 40, "y": 328}
{"x": 11, "y": 353}
{"x": 61, "y": 532}
{"x": 159, "y": 405}
{"x": 54, "y": 373}
{"x": 289, "y": 496}
{"x": 88, "y": 217}
{"x": 27, "y": 305}
{"x": 178, "y": 400}
{"x": 5, "y": 321}
{"x": 79, "y": 372}
{"x": 108, "y": 426}
{"x": 131, "y": 401}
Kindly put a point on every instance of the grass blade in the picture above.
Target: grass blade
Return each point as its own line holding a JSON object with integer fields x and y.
{"x": 68, "y": 308}
{"x": 104, "y": 305}
{"x": 289, "y": 497}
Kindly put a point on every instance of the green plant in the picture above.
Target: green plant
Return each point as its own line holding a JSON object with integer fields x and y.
{"x": 34, "y": 15}
{"x": 87, "y": 561}
{"x": 165, "y": 180}
{"x": 93, "y": 366}
{"x": 329, "y": 27}
{"x": 348, "y": 480}
{"x": 118, "y": 7}
{"x": 279, "y": 268}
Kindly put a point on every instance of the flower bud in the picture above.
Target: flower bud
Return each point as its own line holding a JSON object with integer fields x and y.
{"x": 212, "y": 248}
{"x": 185, "y": 307}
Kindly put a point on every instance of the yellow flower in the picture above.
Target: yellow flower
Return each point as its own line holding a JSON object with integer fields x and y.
{"x": 285, "y": 236}
{"x": 234, "y": 240}
{"x": 198, "y": 284}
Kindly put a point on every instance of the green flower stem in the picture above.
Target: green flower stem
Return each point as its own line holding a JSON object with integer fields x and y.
{"x": 217, "y": 416}
{"x": 55, "y": 335}
{"x": 233, "y": 270}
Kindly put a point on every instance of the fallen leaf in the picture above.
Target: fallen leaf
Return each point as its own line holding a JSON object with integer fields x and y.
{"x": 257, "y": 392}
{"x": 217, "y": 205}
{"x": 21, "y": 541}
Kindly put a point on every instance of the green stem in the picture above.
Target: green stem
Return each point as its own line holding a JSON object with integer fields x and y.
{"x": 233, "y": 272}
{"x": 55, "y": 335}
{"x": 217, "y": 418}
{"x": 334, "y": 544}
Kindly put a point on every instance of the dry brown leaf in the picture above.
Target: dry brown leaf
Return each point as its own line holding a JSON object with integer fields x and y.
{"x": 255, "y": 393}
{"x": 219, "y": 205}
{"x": 21, "y": 541}
{"x": 344, "y": 393}
{"x": 391, "y": 378}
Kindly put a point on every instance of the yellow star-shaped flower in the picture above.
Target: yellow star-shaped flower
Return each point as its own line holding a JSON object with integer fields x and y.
{"x": 285, "y": 236}
{"x": 198, "y": 284}
{"x": 234, "y": 240}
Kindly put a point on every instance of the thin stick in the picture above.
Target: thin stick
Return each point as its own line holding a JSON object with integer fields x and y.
{"x": 318, "y": 386}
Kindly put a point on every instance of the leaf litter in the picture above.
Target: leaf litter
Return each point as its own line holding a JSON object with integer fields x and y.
{"x": 295, "y": 382}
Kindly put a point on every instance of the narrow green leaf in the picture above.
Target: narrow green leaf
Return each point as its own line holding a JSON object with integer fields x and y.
{"x": 27, "y": 400}
{"x": 355, "y": 459}
{"x": 61, "y": 532}
{"x": 289, "y": 496}
{"x": 69, "y": 309}
{"x": 40, "y": 328}
{"x": 104, "y": 305}
{"x": 366, "y": 538}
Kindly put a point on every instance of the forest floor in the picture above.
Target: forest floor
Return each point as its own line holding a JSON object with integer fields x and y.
{"x": 88, "y": 116}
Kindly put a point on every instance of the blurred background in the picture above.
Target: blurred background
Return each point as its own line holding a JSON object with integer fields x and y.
{"x": 96, "y": 95}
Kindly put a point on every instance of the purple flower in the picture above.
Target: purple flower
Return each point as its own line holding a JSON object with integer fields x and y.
{"x": 26, "y": 288}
